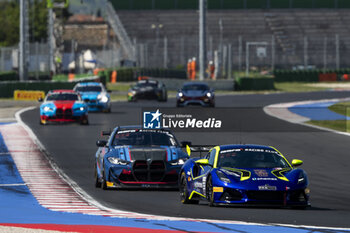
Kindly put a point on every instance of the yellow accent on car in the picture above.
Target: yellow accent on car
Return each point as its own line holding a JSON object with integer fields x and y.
{"x": 202, "y": 161}
{"x": 281, "y": 176}
{"x": 188, "y": 150}
{"x": 218, "y": 189}
{"x": 281, "y": 155}
{"x": 217, "y": 148}
{"x": 109, "y": 184}
{"x": 243, "y": 178}
{"x": 195, "y": 192}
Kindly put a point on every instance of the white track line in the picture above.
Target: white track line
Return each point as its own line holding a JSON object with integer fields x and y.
{"x": 281, "y": 112}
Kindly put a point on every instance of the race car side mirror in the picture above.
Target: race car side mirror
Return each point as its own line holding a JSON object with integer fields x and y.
{"x": 203, "y": 161}
{"x": 106, "y": 133}
{"x": 101, "y": 143}
{"x": 297, "y": 162}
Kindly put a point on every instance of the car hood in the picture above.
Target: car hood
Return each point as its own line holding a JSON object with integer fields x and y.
{"x": 264, "y": 179}
{"x": 258, "y": 174}
{"x": 89, "y": 95}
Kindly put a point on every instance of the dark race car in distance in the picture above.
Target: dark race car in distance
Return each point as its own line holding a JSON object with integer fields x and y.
{"x": 148, "y": 89}
{"x": 244, "y": 175}
{"x": 63, "y": 106}
{"x": 195, "y": 93}
{"x": 142, "y": 158}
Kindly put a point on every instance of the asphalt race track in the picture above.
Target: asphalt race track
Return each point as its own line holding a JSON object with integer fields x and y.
{"x": 325, "y": 155}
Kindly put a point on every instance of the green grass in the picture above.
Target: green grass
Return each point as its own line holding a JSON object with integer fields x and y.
{"x": 342, "y": 108}
{"x": 339, "y": 125}
{"x": 118, "y": 86}
{"x": 297, "y": 87}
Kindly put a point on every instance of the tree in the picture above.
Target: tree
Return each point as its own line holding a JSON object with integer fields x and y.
{"x": 9, "y": 20}
{"x": 38, "y": 14}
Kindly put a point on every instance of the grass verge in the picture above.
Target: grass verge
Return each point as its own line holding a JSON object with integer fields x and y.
{"x": 297, "y": 87}
{"x": 342, "y": 108}
{"x": 339, "y": 125}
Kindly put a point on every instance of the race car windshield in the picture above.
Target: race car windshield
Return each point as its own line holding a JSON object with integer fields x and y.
{"x": 251, "y": 159}
{"x": 137, "y": 138}
{"x": 62, "y": 97}
{"x": 195, "y": 87}
{"x": 89, "y": 89}
{"x": 146, "y": 84}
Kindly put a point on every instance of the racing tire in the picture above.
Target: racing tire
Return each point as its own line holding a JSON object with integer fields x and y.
{"x": 184, "y": 192}
{"x": 210, "y": 193}
{"x": 104, "y": 183}
{"x": 97, "y": 181}
{"x": 42, "y": 122}
{"x": 85, "y": 122}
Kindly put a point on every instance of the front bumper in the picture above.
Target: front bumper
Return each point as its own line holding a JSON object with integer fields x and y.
{"x": 63, "y": 117}
{"x": 96, "y": 106}
{"x": 298, "y": 197}
{"x": 201, "y": 101}
{"x": 132, "y": 177}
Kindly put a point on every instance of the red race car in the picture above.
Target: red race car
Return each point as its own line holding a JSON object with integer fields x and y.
{"x": 63, "y": 106}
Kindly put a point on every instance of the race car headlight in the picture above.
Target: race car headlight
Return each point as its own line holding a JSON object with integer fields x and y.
{"x": 118, "y": 161}
{"x": 301, "y": 178}
{"x": 223, "y": 177}
{"x": 180, "y": 94}
{"x": 48, "y": 109}
{"x": 103, "y": 98}
{"x": 208, "y": 94}
{"x": 179, "y": 162}
{"x": 82, "y": 108}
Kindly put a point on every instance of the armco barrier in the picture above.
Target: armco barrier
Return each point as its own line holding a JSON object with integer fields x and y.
{"x": 175, "y": 84}
{"x": 308, "y": 75}
{"x": 7, "y": 88}
{"x": 131, "y": 74}
{"x": 256, "y": 84}
{"x": 8, "y": 76}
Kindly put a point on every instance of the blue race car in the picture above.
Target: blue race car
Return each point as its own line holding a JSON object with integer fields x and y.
{"x": 244, "y": 174}
{"x": 95, "y": 96}
{"x": 136, "y": 157}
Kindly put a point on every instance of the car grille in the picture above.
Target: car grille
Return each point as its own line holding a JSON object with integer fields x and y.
{"x": 64, "y": 114}
{"x": 266, "y": 195}
{"x": 152, "y": 171}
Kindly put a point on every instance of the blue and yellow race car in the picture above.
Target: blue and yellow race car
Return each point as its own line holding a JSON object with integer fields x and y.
{"x": 139, "y": 158}
{"x": 244, "y": 174}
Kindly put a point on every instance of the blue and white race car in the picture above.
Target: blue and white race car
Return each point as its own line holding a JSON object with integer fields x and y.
{"x": 244, "y": 175}
{"x": 95, "y": 96}
{"x": 136, "y": 157}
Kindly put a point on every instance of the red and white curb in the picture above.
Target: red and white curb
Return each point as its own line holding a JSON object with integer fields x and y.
{"x": 55, "y": 191}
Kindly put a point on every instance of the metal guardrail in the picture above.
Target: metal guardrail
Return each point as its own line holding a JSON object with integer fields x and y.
{"x": 119, "y": 30}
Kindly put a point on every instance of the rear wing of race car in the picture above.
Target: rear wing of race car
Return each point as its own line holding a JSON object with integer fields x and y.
{"x": 199, "y": 150}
